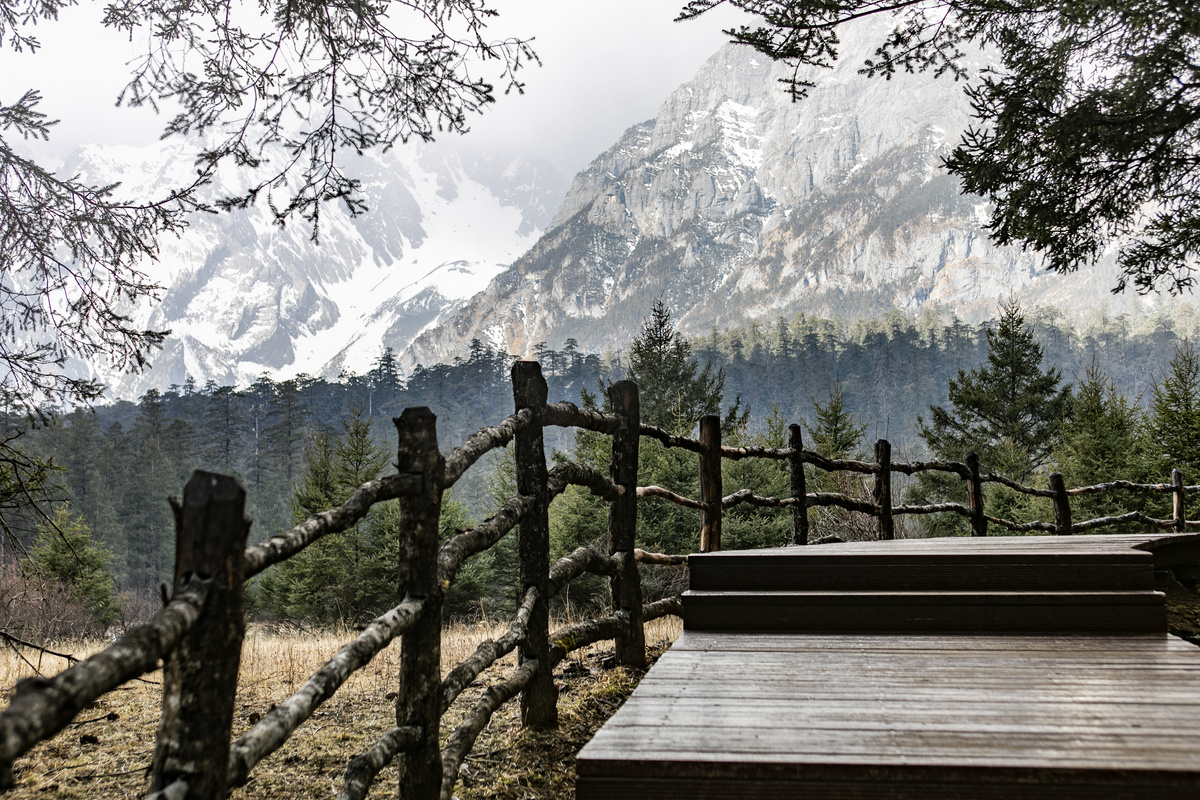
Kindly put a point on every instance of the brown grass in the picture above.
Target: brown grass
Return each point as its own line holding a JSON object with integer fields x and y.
{"x": 107, "y": 751}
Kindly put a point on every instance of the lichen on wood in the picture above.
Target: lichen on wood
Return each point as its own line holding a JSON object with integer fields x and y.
{"x": 281, "y": 721}
{"x": 487, "y": 653}
{"x": 481, "y": 442}
{"x": 364, "y": 768}
{"x": 285, "y": 545}
{"x": 41, "y": 707}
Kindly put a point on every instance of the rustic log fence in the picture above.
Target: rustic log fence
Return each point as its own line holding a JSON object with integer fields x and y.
{"x": 198, "y": 633}
{"x": 711, "y": 504}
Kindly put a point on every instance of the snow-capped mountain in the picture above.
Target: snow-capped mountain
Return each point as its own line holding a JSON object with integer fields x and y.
{"x": 245, "y": 297}
{"x": 735, "y": 204}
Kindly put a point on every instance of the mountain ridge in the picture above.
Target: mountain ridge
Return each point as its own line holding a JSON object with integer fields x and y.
{"x": 735, "y": 205}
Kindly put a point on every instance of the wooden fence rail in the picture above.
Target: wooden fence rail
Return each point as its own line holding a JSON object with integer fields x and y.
{"x": 198, "y": 633}
{"x": 881, "y": 505}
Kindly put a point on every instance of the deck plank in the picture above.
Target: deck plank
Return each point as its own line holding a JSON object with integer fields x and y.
{"x": 897, "y": 713}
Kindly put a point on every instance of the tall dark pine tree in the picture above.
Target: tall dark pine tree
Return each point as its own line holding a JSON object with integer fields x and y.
{"x": 671, "y": 386}
{"x": 1173, "y": 427}
{"x": 1010, "y": 410}
{"x": 1099, "y": 444}
{"x": 836, "y": 433}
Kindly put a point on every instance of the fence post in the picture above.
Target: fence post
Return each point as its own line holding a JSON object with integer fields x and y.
{"x": 1178, "y": 509}
{"x": 799, "y": 492}
{"x": 975, "y": 496}
{"x": 200, "y": 675}
{"x": 539, "y": 700}
{"x": 622, "y": 522}
{"x": 883, "y": 489}
{"x": 419, "y": 699}
{"x": 710, "y": 483}
{"x": 1062, "y": 505}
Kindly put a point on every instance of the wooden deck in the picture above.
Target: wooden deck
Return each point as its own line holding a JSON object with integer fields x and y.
{"x": 950, "y": 668}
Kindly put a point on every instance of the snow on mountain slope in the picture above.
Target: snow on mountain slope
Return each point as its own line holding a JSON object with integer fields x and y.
{"x": 245, "y": 297}
{"x": 735, "y": 204}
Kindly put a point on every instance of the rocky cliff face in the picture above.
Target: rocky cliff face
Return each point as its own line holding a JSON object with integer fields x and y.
{"x": 735, "y": 204}
{"x": 245, "y": 297}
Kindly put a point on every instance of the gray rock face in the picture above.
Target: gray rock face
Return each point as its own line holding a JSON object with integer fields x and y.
{"x": 735, "y": 204}
{"x": 244, "y": 297}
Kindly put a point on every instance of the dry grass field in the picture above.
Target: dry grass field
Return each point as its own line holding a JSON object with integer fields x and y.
{"x": 107, "y": 750}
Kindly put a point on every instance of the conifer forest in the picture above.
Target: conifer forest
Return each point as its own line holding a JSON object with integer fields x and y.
{"x": 1027, "y": 391}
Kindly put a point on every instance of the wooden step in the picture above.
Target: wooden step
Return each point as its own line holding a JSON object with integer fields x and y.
{"x": 1116, "y": 612}
{"x": 813, "y": 569}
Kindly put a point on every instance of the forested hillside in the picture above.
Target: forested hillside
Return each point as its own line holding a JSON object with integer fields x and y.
{"x": 120, "y": 462}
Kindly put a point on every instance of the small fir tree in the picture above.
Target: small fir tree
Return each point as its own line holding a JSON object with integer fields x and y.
{"x": 1173, "y": 420}
{"x": 64, "y": 552}
{"x": 1009, "y": 411}
{"x": 1099, "y": 444}
{"x": 671, "y": 385}
{"x": 836, "y": 433}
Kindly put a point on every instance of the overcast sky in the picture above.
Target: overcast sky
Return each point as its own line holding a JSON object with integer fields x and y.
{"x": 606, "y": 65}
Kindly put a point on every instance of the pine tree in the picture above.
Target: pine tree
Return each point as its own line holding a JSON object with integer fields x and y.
{"x": 337, "y": 579}
{"x": 671, "y": 386}
{"x": 1173, "y": 420}
{"x": 1099, "y": 444}
{"x": 64, "y": 551}
{"x": 836, "y": 433}
{"x": 1009, "y": 411}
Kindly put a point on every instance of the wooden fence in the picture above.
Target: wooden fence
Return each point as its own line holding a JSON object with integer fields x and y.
{"x": 198, "y": 633}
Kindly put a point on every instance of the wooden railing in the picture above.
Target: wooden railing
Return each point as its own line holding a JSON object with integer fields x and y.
{"x": 711, "y": 503}
{"x": 198, "y": 633}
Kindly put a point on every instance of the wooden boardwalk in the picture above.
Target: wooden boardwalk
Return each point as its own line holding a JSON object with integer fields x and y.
{"x": 1006, "y": 667}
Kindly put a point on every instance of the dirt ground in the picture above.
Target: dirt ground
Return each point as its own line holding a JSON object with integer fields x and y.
{"x": 107, "y": 751}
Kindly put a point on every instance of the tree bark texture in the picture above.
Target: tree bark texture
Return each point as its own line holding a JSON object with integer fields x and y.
{"x": 738, "y": 453}
{"x": 481, "y": 442}
{"x": 1016, "y": 486}
{"x": 710, "y": 484}
{"x": 622, "y": 523}
{"x": 796, "y": 478}
{"x": 883, "y": 489}
{"x": 670, "y": 440}
{"x": 975, "y": 496}
{"x": 660, "y": 559}
{"x": 460, "y": 547}
{"x": 569, "y": 415}
{"x": 488, "y": 653}
{"x": 282, "y": 721}
{"x": 419, "y": 699}
{"x": 1062, "y": 505}
{"x": 285, "y": 545}
{"x": 539, "y": 698}
{"x": 668, "y": 495}
{"x": 41, "y": 707}
{"x": 363, "y": 769}
{"x": 584, "y": 558}
{"x": 462, "y": 739}
{"x": 571, "y": 474}
{"x": 200, "y": 674}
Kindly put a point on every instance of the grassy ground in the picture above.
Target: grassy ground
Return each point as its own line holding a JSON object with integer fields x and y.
{"x": 106, "y": 752}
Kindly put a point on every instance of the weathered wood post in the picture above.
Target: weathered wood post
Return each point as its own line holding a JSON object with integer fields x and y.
{"x": 883, "y": 489}
{"x": 419, "y": 700}
{"x": 539, "y": 700}
{"x": 710, "y": 483}
{"x": 975, "y": 496}
{"x": 1178, "y": 506}
{"x": 1062, "y": 505}
{"x": 200, "y": 675}
{"x": 799, "y": 491}
{"x": 622, "y": 522}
